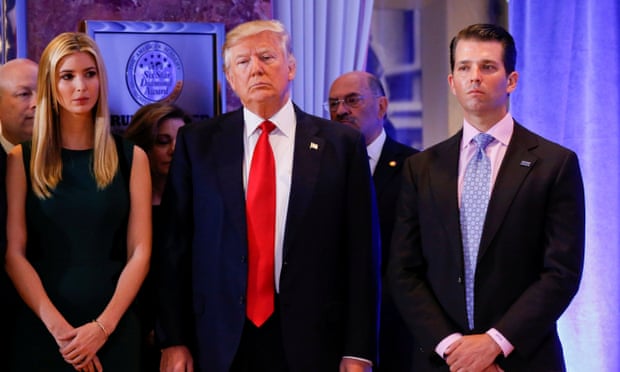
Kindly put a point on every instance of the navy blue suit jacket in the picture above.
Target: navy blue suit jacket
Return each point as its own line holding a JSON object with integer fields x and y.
{"x": 387, "y": 179}
{"x": 529, "y": 262}
{"x": 329, "y": 281}
{"x": 8, "y": 294}
{"x": 395, "y": 340}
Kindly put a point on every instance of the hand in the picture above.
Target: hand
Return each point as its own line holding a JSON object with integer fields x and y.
{"x": 493, "y": 368}
{"x": 354, "y": 365}
{"x": 176, "y": 359}
{"x": 472, "y": 353}
{"x": 79, "y": 347}
{"x": 93, "y": 366}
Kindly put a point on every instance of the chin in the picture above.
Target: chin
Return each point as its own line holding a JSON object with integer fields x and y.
{"x": 163, "y": 171}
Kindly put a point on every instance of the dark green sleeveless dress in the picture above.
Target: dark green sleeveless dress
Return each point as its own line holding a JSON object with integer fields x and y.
{"x": 76, "y": 243}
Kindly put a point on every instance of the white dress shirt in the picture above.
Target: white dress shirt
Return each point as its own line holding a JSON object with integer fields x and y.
{"x": 496, "y": 150}
{"x": 282, "y": 140}
{"x": 374, "y": 150}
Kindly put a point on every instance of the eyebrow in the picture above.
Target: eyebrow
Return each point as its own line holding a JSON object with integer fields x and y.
{"x": 348, "y": 95}
{"x": 481, "y": 61}
{"x": 86, "y": 69}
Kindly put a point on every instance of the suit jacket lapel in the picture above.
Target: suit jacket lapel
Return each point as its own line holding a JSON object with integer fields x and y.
{"x": 384, "y": 172}
{"x": 444, "y": 188}
{"x": 306, "y": 165}
{"x": 228, "y": 145}
{"x": 517, "y": 164}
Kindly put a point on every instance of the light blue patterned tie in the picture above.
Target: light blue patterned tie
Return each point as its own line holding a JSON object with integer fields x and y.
{"x": 474, "y": 201}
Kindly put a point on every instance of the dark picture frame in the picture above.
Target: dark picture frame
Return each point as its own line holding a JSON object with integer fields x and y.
{"x": 146, "y": 62}
{"x": 13, "y": 29}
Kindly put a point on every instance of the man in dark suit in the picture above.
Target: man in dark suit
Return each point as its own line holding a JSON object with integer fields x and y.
{"x": 358, "y": 99}
{"x": 323, "y": 283}
{"x": 493, "y": 307}
{"x": 18, "y": 88}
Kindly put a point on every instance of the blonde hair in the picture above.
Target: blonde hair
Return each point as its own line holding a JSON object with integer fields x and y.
{"x": 46, "y": 161}
{"x": 255, "y": 27}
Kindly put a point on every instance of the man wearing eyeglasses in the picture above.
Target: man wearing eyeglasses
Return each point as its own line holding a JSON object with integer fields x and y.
{"x": 358, "y": 99}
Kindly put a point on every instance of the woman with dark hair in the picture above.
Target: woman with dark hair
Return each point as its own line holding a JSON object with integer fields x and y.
{"x": 154, "y": 128}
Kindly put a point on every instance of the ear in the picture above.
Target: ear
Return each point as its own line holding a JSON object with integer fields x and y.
{"x": 292, "y": 67}
{"x": 451, "y": 83}
{"x": 511, "y": 84}
{"x": 229, "y": 78}
{"x": 383, "y": 106}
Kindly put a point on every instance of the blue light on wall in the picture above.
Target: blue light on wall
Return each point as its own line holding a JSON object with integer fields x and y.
{"x": 569, "y": 61}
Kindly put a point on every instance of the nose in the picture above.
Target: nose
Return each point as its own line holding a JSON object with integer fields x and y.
{"x": 80, "y": 85}
{"x": 33, "y": 100}
{"x": 171, "y": 147}
{"x": 256, "y": 66}
{"x": 475, "y": 74}
{"x": 342, "y": 109}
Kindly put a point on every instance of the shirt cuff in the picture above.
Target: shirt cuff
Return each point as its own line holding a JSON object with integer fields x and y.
{"x": 503, "y": 343}
{"x": 445, "y": 343}
{"x": 360, "y": 359}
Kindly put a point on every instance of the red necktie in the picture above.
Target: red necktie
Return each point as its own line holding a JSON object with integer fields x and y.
{"x": 261, "y": 218}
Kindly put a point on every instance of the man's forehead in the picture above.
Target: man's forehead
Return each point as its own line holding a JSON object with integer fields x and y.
{"x": 347, "y": 85}
{"x": 480, "y": 52}
{"x": 489, "y": 47}
{"x": 265, "y": 39}
{"x": 468, "y": 61}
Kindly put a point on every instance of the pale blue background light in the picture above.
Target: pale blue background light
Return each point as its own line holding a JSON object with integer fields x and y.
{"x": 568, "y": 91}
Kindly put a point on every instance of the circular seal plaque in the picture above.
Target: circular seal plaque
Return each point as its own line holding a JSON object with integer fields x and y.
{"x": 154, "y": 73}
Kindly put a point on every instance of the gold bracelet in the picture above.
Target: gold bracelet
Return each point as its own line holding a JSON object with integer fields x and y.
{"x": 105, "y": 332}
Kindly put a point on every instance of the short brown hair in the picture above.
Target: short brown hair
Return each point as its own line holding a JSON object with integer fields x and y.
{"x": 488, "y": 32}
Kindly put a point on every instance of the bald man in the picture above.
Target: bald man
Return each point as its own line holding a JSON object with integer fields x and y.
{"x": 18, "y": 88}
{"x": 18, "y": 85}
{"x": 358, "y": 99}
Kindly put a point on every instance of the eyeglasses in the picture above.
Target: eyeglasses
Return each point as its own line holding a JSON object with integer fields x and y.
{"x": 351, "y": 101}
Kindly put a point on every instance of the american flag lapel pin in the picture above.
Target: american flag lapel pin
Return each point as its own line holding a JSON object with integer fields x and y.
{"x": 525, "y": 163}
{"x": 314, "y": 146}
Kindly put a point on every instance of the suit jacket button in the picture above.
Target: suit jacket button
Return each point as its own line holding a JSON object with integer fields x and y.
{"x": 244, "y": 259}
{"x": 241, "y": 300}
{"x": 459, "y": 280}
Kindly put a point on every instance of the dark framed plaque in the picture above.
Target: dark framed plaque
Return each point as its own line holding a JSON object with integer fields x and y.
{"x": 147, "y": 62}
{"x": 12, "y": 30}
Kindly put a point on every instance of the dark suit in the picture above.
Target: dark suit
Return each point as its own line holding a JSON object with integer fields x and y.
{"x": 329, "y": 281}
{"x": 395, "y": 341}
{"x": 530, "y": 257}
{"x": 8, "y": 294}
{"x": 2, "y": 203}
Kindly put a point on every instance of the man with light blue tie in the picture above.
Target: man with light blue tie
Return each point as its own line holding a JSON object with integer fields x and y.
{"x": 487, "y": 248}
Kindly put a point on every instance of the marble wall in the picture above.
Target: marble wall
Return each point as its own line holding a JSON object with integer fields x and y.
{"x": 48, "y": 18}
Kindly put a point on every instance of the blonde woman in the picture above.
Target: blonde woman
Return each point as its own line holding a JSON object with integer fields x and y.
{"x": 79, "y": 230}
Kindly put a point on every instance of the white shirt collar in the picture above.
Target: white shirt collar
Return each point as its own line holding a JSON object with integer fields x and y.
{"x": 6, "y": 145}
{"x": 501, "y": 131}
{"x": 375, "y": 147}
{"x": 284, "y": 119}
